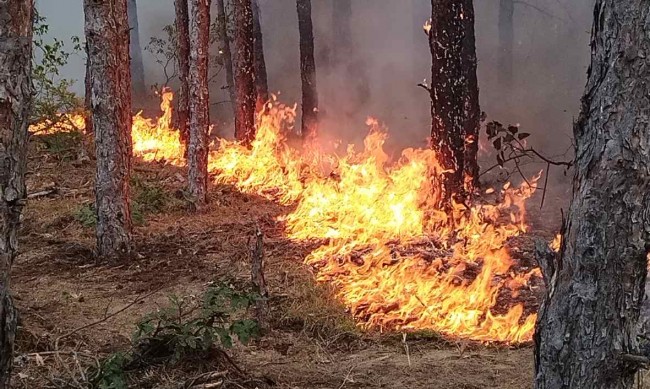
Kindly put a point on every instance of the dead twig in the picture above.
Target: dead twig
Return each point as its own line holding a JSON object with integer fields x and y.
{"x": 257, "y": 278}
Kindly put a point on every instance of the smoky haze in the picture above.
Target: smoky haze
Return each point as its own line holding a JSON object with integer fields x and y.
{"x": 390, "y": 57}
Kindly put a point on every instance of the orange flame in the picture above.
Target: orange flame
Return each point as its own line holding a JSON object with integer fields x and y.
{"x": 397, "y": 261}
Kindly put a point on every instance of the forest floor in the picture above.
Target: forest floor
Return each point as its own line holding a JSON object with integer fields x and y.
{"x": 312, "y": 343}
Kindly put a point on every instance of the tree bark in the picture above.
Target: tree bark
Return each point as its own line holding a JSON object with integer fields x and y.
{"x": 454, "y": 95}
{"x": 472, "y": 109}
{"x": 88, "y": 91}
{"x": 199, "y": 102}
{"x": 138, "y": 86}
{"x": 506, "y": 41}
{"x": 224, "y": 49}
{"x": 589, "y": 320}
{"x": 16, "y": 30}
{"x": 182, "y": 23}
{"x": 245, "y": 72}
{"x": 107, "y": 34}
{"x": 307, "y": 71}
{"x": 261, "y": 79}
{"x": 342, "y": 30}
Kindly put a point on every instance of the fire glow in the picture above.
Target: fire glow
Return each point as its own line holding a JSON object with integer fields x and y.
{"x": 397, "y": 261}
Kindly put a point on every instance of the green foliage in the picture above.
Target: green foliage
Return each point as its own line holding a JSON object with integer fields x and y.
{"x": 187, "y": 327}
{"x": 151, "y": 198}
{"x": 86, "y": 215}
{"x": 51, "y": 92}
{"x": 63, "y": 144}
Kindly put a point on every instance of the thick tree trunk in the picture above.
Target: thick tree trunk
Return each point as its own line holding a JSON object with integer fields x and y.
{"x": 342, "y": 30}
{"x": 588, "y": 322}
{"x": 261, "y": 79}
{"x": 506, "y": 41}
{"x": 16, "y": 29}
{"x": 88, "y": 92}
{"x": 454, "y": 94}
{"x": 307, "y": 71}
{"x": 182, "y": 23}
{"x": 245, "y": 73}
{"x": 224, "y": 49}
{"x": 107, "y": 34}
{"x": 138, "y": 86}
{"x": 472, "y": 108}
{"x": 199, "y": 101}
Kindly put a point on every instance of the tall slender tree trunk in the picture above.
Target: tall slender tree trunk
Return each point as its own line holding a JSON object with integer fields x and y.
{"x": 16, "y": 30}
{"x": 182, "y": 23}
{"x": 307, "y": 71}
{"x": 245, "y": 72}
{"x": 139, "y": 88}
{"x": 107, "y": 34}
{"x": 454, "y": 94}
{"x": 88, "y": 92}
{"x": 342, "y": 30}
{"x": 506, "y": 41}
{"x": 261, "y": 79}
{"x": 588, "y": 325}
{"x": 199, "y": 101}
{"x": 224, "y": 49}
{"x": 472, "y": 109}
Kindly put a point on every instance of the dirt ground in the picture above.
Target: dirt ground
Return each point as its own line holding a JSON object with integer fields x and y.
{"x": 59, "y": 288}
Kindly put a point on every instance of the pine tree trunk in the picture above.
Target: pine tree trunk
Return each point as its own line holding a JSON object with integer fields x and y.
{"x": 261, "y": 81}
{"x": 16, "y": 29}
{"x": 342, "y": 30}
{"x": 137, "y": 67}
{"x": 589, "y": 321}
{"x": 199, "y": 101}
{"x": 506, "y": 41}
{"x": 107, "y": 34}
{"x": 182, "y": 23}
{"x": 245, "y": 73}
{"x": 307, "y": 71}
{"x": 454, "y": 93}
{"x": 224, "y": 48}
{"x": 88, "y": 91}
{"x": 472, "y": 108}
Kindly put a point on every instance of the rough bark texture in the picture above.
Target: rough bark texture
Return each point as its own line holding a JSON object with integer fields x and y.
{"x": 107, "y": 34}
{"x": 590, "y": 316}
{"x": 224, "y": 48}
{"x": 88, "y": 92}
{"x": 472, "y": 109}
{"x": 138, "y": 86}
{"x": 307, "y": 71}
{"x": 342, "y": 30}
{"x": 182, "y": 23}
{"x": 454, "y": 93}
{"x": 506, "y": 41}
{"x": 16, "y": 29}
{"x": 199, "y": 101}
{"x": 245, "y": 73}
{"x": 261, "y": 79}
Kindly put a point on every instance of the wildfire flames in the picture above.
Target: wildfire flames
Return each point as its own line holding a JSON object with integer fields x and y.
{"x": 396, "y": 260}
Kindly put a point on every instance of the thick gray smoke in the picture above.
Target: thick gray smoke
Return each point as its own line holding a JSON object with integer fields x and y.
{"x": 390, "y": 57}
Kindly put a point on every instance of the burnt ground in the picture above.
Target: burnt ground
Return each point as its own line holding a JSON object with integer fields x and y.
{"x": 60, "y": 288}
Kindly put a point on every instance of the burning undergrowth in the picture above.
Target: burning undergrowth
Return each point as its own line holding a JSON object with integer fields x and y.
{"x": 397, "y": 261}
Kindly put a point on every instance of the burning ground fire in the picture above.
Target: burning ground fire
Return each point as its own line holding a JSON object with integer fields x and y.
{"x": 397, "y": 261}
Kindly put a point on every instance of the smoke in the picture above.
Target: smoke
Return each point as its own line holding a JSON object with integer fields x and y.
{"x": 390, "y": 56}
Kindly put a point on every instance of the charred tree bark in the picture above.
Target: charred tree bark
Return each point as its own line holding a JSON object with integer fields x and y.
{"x": 199, "y": 102}
{"x": 588, "y": 325}
{"x": 261, "y": 79}
{"x": 454, "y": 94}
{"x": 137, "y": 67}
{"x": 16, "y": 30}
{"x": 307, "y": 71}
{"x": 342, "y": 30}
{"x": 182, "y": 23}
{"x": 245, "y": 72}
{"x": 107, "y": 34}
{"x": 224, "y": 48}
{"x": 506, "y": 41}
{"x": 472, "y": 109}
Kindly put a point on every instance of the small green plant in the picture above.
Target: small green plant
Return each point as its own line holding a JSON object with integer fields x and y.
{"x": 151, "y": 198}
{"x": 86, "y": 215}
{"x": 65, "y": 145}
{"x": 188, "y": 327}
